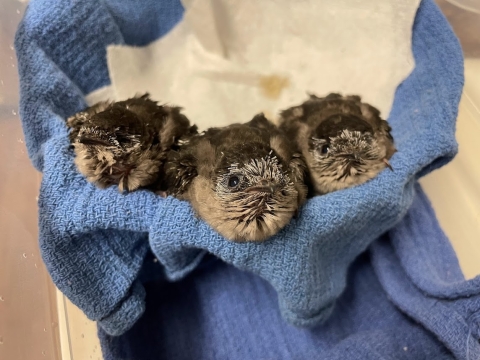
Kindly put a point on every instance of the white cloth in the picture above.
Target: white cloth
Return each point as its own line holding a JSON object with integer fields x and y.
{"x": 227, "y": 60}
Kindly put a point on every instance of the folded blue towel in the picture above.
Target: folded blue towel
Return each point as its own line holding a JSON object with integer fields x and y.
{"x": 405, "y": 299}
{"x": 95, "y": 241}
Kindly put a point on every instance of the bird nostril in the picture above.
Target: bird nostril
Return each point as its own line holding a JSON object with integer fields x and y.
{"x": 264, "y": 187}
{"x": 354, "y": 157}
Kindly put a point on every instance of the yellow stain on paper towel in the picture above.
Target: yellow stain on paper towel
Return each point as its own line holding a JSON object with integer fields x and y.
{"x": 273, "y": 85}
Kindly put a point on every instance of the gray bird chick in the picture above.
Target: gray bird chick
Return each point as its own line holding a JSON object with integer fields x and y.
{"x": 344, "y": 141}
{"x": 125, "y": 143}
{"x": 244, "y": 180}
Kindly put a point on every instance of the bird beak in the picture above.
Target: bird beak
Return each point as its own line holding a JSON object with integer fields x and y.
{"x": 387, "y": 164}
{"x": 89, "y": 141}
{"x": 263, "y": 188}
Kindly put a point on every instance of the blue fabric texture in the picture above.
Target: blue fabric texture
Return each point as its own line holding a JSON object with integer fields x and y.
{"x": 405, "y": 299}
{"x": 94, "y": 241}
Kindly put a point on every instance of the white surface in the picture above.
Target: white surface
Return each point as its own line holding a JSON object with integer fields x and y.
{"x": 214, "y": 61}
{"x": 454, "y": 190}
{"x": 469, "y": 5}
{"x": 78, "y": 334}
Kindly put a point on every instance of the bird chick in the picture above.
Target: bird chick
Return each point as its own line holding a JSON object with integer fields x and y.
{"x": 244, "y": 180}
{"x": 125, "y": 143}
{"x": 344, "y": 141}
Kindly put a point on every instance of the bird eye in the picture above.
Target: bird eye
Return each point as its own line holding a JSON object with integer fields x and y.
{"x": 233, "y": 181}
{"x": 324, "y": 149}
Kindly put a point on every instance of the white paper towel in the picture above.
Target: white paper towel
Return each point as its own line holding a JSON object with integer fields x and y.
{"x": 228, "y": 60}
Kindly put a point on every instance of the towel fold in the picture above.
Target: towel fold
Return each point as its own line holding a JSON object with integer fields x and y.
{"x": 220, "y": 312}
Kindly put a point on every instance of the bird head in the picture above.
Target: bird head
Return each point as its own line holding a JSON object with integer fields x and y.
{"x": 255, "y": 193}
{"x": 344, "y": 152}
{"x": 109, "y": 151}
{"x": 245, "y": 180}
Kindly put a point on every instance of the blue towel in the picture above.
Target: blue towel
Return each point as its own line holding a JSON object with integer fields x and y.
{"x": 220, "y": 312}
{"x": 94, "y": 242}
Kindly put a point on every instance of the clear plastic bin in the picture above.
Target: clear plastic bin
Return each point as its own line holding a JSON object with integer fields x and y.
{"x": 38, "y": 322}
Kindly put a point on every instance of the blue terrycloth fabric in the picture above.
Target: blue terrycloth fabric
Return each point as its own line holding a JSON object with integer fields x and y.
{"x": 408, "y": 300}
{"x": 220, "y": 312}
{"x": 94, "y": 241}
{"x": 418, "y": 270}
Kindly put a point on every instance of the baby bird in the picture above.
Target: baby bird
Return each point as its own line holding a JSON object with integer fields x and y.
{"x": 244, "y": 180}
{"x": 125, "y": 143}
{"x": 345, "y": 142}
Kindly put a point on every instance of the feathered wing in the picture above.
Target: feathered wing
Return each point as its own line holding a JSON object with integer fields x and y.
{"x": 296, "y": 162}
{"x": 180, "y": 170}
{"x": 259, "y": 121}
{"x": 298, "y": 171}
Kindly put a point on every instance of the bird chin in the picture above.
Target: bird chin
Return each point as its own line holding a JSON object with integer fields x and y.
{"x": 324, "y": 183}
{"x": 230, "y": 220}
{"x": 102, "y": 169}
{"x": 257, "y": 230}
